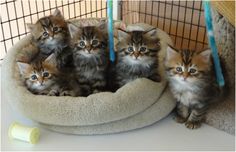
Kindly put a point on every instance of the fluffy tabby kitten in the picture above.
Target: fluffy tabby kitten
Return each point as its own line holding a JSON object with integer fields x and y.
{"x": 42, "y": 77}
{"x": 90, "y": 57}
{"x": 51, "y": 35}
{"x": 192, "y": 83}
{"x": 137, "y": 56}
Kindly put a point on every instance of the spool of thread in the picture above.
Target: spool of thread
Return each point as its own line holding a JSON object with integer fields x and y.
{"x": 24, "y": 133}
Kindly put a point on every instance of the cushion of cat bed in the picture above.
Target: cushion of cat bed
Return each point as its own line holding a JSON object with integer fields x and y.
{"x": 135, "y": 105}
{"x": 154, "y": 113}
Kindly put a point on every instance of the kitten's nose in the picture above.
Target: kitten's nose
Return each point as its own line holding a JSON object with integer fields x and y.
{"x": 185, "y": 75}
{"x": 41, "y": 82}
{"x": 51, "y": 35}
{"x": 89, "y": 49}
{"x": 136, "y": 54}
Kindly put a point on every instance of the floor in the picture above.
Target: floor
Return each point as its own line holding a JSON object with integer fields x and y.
{"x": 164, "y": 135}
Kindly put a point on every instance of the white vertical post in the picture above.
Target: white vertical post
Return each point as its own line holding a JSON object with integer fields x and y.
{"x": 116, "y": 9}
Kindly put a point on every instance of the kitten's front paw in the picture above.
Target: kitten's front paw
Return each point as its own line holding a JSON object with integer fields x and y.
{"x": 53, "y": 93}
{"x": 193, "y": 124}
{"x": 42, "y": 93}
{"x": 66, "y": 93}
{"x": 179, "y": 119}
{"x": 96, "y": 91}
{"x": 156, "y": 78}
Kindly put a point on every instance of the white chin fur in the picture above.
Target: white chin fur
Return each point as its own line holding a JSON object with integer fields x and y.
{"x": 144, "y": 61}
{"x": 181, "y": 80}
{"x": 51, "y": 41}
{"x": 182, "y": 84}
{"x": 86, "y": 53}
{"x": 39, "y": 87}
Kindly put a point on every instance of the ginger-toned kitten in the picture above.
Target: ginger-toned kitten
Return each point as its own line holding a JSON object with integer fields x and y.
{"x": 43, "y": 77}
{"x": 90, "y": 57}
{"x": 137, "y": 56}
{"x": 192, "y": 82}
{"x": 51, "y": 35}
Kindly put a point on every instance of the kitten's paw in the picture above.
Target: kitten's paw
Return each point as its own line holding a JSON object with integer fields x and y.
{"x": 65, "y": 93}
{"x": 193, "y": 124}
{"x": 179, "y": 119}
{"x": 53, "y": 93}
{"x": 96, "y": 91}
{"x": 42, "y": 93}
{"x": 156, "y": 78}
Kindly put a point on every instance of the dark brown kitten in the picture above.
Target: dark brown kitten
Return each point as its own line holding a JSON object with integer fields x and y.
{"x": 137, "y": 56}
{"x": 90, "y": 57}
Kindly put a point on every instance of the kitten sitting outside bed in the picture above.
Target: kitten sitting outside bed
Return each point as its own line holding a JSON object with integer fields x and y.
{"x": 193, "y": 84}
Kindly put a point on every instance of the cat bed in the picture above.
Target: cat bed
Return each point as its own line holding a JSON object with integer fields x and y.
{"x": 137, "y": 104}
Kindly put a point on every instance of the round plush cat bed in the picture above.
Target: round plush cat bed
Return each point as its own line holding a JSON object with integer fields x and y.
{"x": 137, "y": 104}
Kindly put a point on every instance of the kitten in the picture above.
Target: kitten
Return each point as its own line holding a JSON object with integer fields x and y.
{"x": 51, "y": 35}
{"x": 192, "y": 82}
{"x": 137, "y": 56}
{"x": 42, "y": 77}
{"x": 90, "y": 57}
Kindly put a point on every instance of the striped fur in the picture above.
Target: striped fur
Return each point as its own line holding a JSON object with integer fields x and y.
{"x": 42, "y": 77}
{"x": 51, "y": 35}
{"x": 90, "y": 57}
{"x": 192, "y": 83}
{"x": 137, "y": 56}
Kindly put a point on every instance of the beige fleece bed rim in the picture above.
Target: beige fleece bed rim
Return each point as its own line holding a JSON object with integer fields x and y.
{"x": 149, "y": 116}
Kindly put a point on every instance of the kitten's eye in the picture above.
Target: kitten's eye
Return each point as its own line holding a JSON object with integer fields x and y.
{"x": 95, "y": 42}
{"x": 142, "y": 49}
{"x": 192, "y": 71}
{"x": 130, "y": 49}
{"x": 82, "y": 44}
{"x": 55, "y": 29}
{"x": 33, "y": 77}
{"x": 179, "y": 69}
{"x": 45, "y": 34}
{"x": 45, "y": 74}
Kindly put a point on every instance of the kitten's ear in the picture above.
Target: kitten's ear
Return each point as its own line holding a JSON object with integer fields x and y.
{"x": 151, "y": 33}
{"x": 205, "y": 55}
{"x": 57, "y": 13}
{"x": 30, "y": 26}
{"x": 102, "y": 25}
{"x": 170, "y": 53}
{"x": 73, "y": 30}
{"x": 122, "y": 35}
{"x": 51, "y": 59}
{"x": 23, "y": 67}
